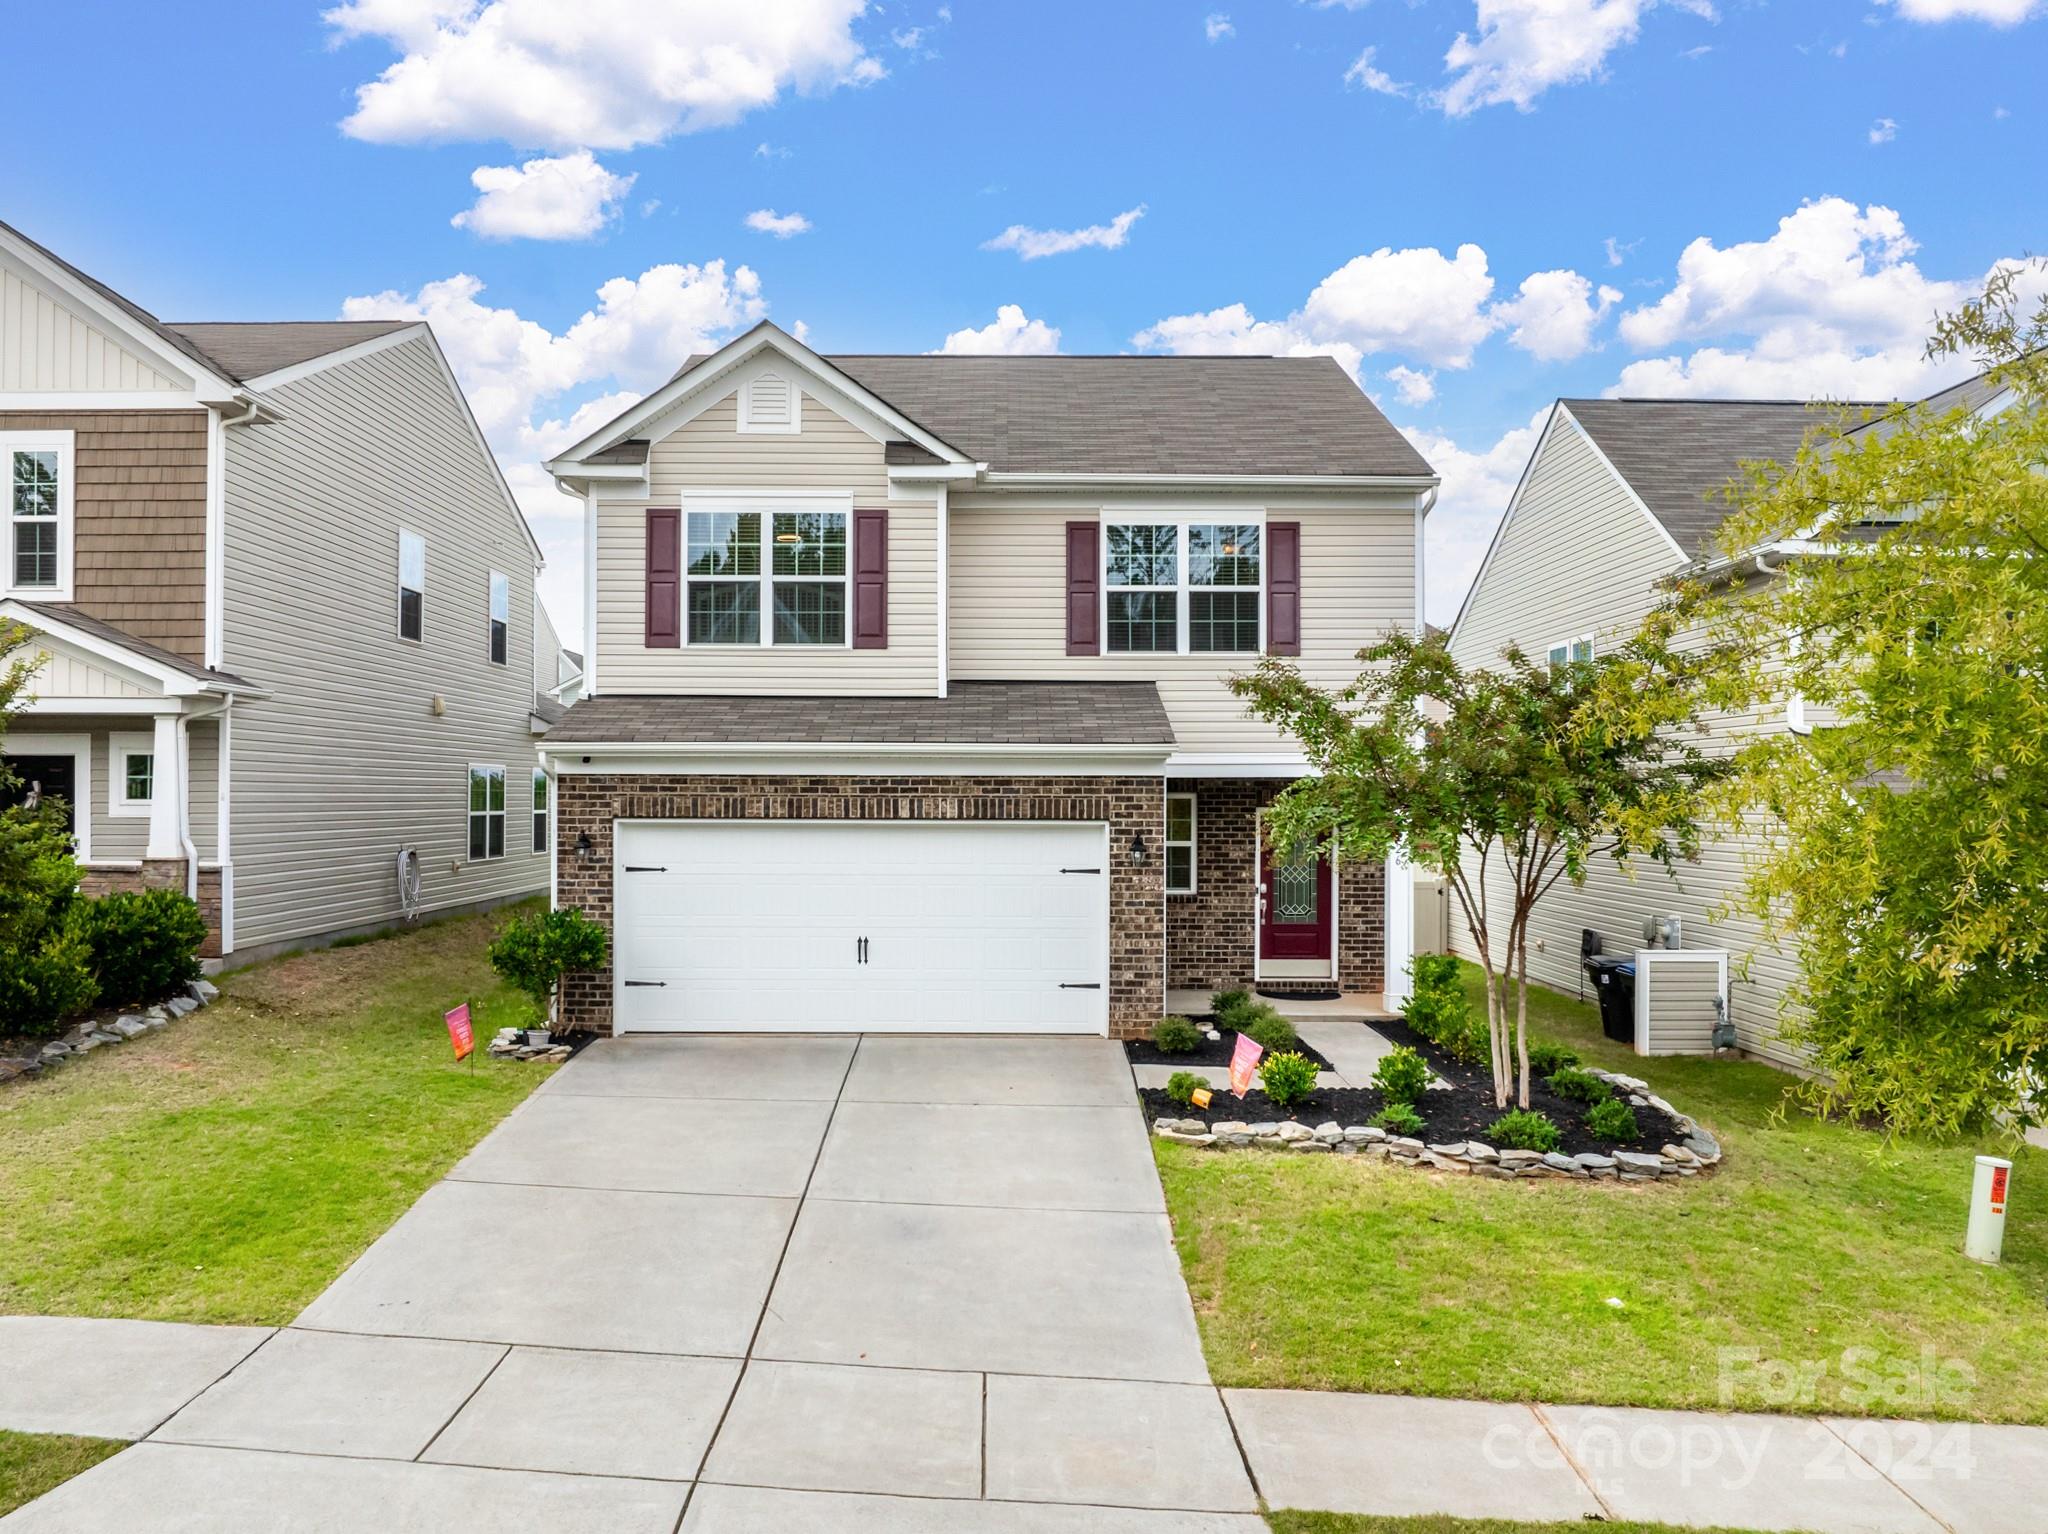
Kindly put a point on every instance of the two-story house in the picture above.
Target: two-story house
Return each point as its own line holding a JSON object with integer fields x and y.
{"x": 284, "y": 607}
{"x": 904, "y": 696}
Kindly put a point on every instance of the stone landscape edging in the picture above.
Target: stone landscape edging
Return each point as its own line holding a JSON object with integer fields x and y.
{"x": 92, "y": 1033}
{"x": 1697, "y": 1152}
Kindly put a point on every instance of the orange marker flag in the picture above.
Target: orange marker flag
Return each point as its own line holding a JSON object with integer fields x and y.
{"x": 459, "y": 1032}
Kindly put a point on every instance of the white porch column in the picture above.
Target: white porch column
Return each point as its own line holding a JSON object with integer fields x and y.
{"x": 1400, "y": 929}
{"x": 167, "y": 797}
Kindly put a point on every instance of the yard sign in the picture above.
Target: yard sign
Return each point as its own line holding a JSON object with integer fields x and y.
{"x": 1244, "y": 1064}
{"x": 459, "y": 1032}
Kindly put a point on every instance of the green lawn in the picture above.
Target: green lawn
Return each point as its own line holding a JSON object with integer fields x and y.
{"x": 33, "y": 1463}
{"x": 1812, "y": 1239}
{"x": 228, "y": 1167}
{"x": 1353, "y": 1523}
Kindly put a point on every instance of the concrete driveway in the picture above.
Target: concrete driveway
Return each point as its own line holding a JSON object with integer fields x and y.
{"x": 738, "y": 1284}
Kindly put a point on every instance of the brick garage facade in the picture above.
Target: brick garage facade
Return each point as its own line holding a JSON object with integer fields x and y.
{"x": 588, "y": 803}
{"x": 162, "y": 874}
{"x": 1210, "y": 934}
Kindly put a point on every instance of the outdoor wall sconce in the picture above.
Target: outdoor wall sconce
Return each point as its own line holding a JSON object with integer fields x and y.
{"x": 583, "y": 845}
{"x": 1137, "y": 846}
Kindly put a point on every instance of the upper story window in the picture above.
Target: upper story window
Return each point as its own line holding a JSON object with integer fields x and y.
{"x": 412, "y": 585}
{"x": 1580, "y": 649}
{"x": 1183, "y": 587}
{"x": 38, "y": 478}
{"x": 501, "y": 615}
{"x": 792, "y": 563}
{"x": 769, "y": 402}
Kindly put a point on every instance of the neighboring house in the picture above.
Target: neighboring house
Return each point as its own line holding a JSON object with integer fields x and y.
{"x": 557, "y": 672}
{"x": 905, "y": 687}
{"x": 285, "y": 605}
{"x": 1620, "y": 496}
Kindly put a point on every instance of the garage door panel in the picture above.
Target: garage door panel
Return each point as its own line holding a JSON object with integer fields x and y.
{"x": 756, "y": 926}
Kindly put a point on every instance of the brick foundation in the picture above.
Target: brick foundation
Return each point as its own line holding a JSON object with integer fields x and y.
{"x": 1210, "y": 934}
{"x": 587, "y": 804}
{"x": 162, "y": 874}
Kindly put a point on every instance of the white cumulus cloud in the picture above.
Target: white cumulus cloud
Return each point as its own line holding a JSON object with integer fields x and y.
{"x": 1523, "y": 48}
{"x": 1367, "y": 75}
{"x": 1010, "y": 334}
{"x": 781, "y": 225}
{"x": 1884, "y": 130}
{"x": 1216, "y": 26}
{"x": 1034, "y": 244}
{"x": 2000, "y": 13}
{"x": 1415, "y": 388}
{"x": 1553, "y": 314}
{"x": 601, "y": 74}
{"x": 570, "y": 197}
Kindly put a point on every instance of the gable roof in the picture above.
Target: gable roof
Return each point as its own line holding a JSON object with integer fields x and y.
{"x": 60, "y": 617}
{"x": 1204, "y": 417}
{"x": 1145, "y": 415}
{"x": 246, "y": 349}
{"x": 1677, "y": 455}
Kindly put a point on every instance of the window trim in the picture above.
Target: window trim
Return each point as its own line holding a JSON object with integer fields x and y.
{"x": 542, "y": 818}
{"x": 470, "y": 813}
{"x": 497, "y": 631}
{"x": 120, "y": 746}
{"x": 404, "y": 533}
{"x": 1567, "y": 646}
{"x": 792, "y": 502}
{"x": 79, "y": 749}
{"x": 63, "y": 444}
{"x": 1167, "y": 844}
{"x": 1181, "y": 518}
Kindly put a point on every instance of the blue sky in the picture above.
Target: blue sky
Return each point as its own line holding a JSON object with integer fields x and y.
{"x": 1478, "y": 205}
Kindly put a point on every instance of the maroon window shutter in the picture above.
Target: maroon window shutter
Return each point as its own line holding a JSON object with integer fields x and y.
{"x": 664, "y": 580}
{"x": 1283, "y": 588}
{"x": 871, "y": 580}
{"x": 1084, "y": 588}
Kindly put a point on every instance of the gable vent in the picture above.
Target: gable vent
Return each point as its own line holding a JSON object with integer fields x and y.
{"x": 769, "y": 404}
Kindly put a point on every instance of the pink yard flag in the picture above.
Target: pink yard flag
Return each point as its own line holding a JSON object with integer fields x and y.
{"x": 1244, "y": 1064}
{"x": 459, "y": 1031}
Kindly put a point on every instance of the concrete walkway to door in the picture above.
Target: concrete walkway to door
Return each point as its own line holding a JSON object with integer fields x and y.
{"x": 731, "y": 1285}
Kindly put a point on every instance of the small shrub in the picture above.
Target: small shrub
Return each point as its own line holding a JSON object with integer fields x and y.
{"x": 1181, "y": 1086}
{"x": 1581, "y": 1086}
{"x": 1225, "y": 1006}
{"x": 1548, "y": 1059}
{"x": 1176, "y": 1036}
{"x": 1470, "y": 1045}
{"x": 1435, "y": 972}
{"x": 1287, "y": 1078}
{"x": 1524, "y": 1130}
{"x": 43, "y": 984}
{"x": 1402, "y": 1076}
{"x": 1613, "y": 1121}
{"x": 1399, "y": 1119}
{"x": 144, "y": 943}
{"x": 534, "y": 952}
{"x": 1269, "y": 1030}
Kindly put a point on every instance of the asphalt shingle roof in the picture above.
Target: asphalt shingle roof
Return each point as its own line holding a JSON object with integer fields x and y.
{"x": 1679, "y": 454}
{"x": 79, "y": 618}
{"x": 972, "y": 713}
{"x": 249, "y": 349}
{"x": 1144, "y": 415}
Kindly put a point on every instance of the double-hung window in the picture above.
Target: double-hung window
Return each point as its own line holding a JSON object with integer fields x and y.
{"x": 37, "y": 466}
{"x": 1183, "y": 588}
{"x": 412, "y": 585}
{"x": 1180, "y": 844}
{"x": 540, "y": 810}
{"x": 790, "y": 564}
{"x": 501, "y": 615}
{"x": 1580, "y": 649}
{"x": 486, "y": 811}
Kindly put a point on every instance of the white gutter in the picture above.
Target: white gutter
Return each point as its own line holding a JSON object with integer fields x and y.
{"x": 1199, "y": 481}
{"x": 632, "y": 748}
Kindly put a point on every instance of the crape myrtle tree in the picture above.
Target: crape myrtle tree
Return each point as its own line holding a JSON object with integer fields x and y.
{"x": 1905, "y": 849}
{"x": 1502, "y": 779}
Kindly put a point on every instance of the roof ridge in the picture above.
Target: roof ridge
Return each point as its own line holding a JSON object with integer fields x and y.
{"x": 1661, "y": 399}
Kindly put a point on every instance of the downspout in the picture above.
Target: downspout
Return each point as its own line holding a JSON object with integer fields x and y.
{"x": 1422, "y": 510}
{"x": 185, "y": 843}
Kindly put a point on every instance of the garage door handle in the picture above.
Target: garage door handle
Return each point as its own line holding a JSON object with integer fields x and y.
{"x": 1072, "y": 985}
{"x": 1080, "y": 870}
{"x": 643, "y": 869}
{"x": 647, "y": 982}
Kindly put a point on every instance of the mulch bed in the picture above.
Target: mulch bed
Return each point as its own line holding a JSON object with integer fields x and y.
{"x": 1211, "y": 1052}
{"x": 1461, "y": 1110}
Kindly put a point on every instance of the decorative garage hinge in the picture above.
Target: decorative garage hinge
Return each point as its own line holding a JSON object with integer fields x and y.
{"x": 1080, "y": 870}
{"x": 642, "y": 868}
{"x": 663, "y": 983}
{"x": 1065, "y": 985}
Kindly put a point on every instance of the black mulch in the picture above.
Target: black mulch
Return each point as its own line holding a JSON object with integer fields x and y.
{"x": 1463, "y": 1110}
{"x": 1211, "y": 1052}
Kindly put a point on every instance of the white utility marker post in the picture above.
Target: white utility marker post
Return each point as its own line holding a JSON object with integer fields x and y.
{"x": 1987, "y": 1210}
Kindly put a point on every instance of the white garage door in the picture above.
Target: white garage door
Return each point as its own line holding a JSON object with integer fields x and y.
{"x": 803, "y": 926}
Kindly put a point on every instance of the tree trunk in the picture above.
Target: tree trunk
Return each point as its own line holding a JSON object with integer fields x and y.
{"x": 1522, "y": 1019}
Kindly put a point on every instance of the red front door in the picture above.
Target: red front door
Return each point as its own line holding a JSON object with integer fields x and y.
{"x": 1294, "y": 908}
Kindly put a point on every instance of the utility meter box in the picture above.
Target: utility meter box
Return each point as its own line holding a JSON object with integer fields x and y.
{"x": 1681, "y": 995}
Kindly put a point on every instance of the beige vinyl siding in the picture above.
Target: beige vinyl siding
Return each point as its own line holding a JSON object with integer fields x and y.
{"x": 1581, "y": 557}
{"x": 346, "y": 760}
{"x": 1007, "y": 571}
{"x": 46, "y": 347}
{"x": 710, "y": 453}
